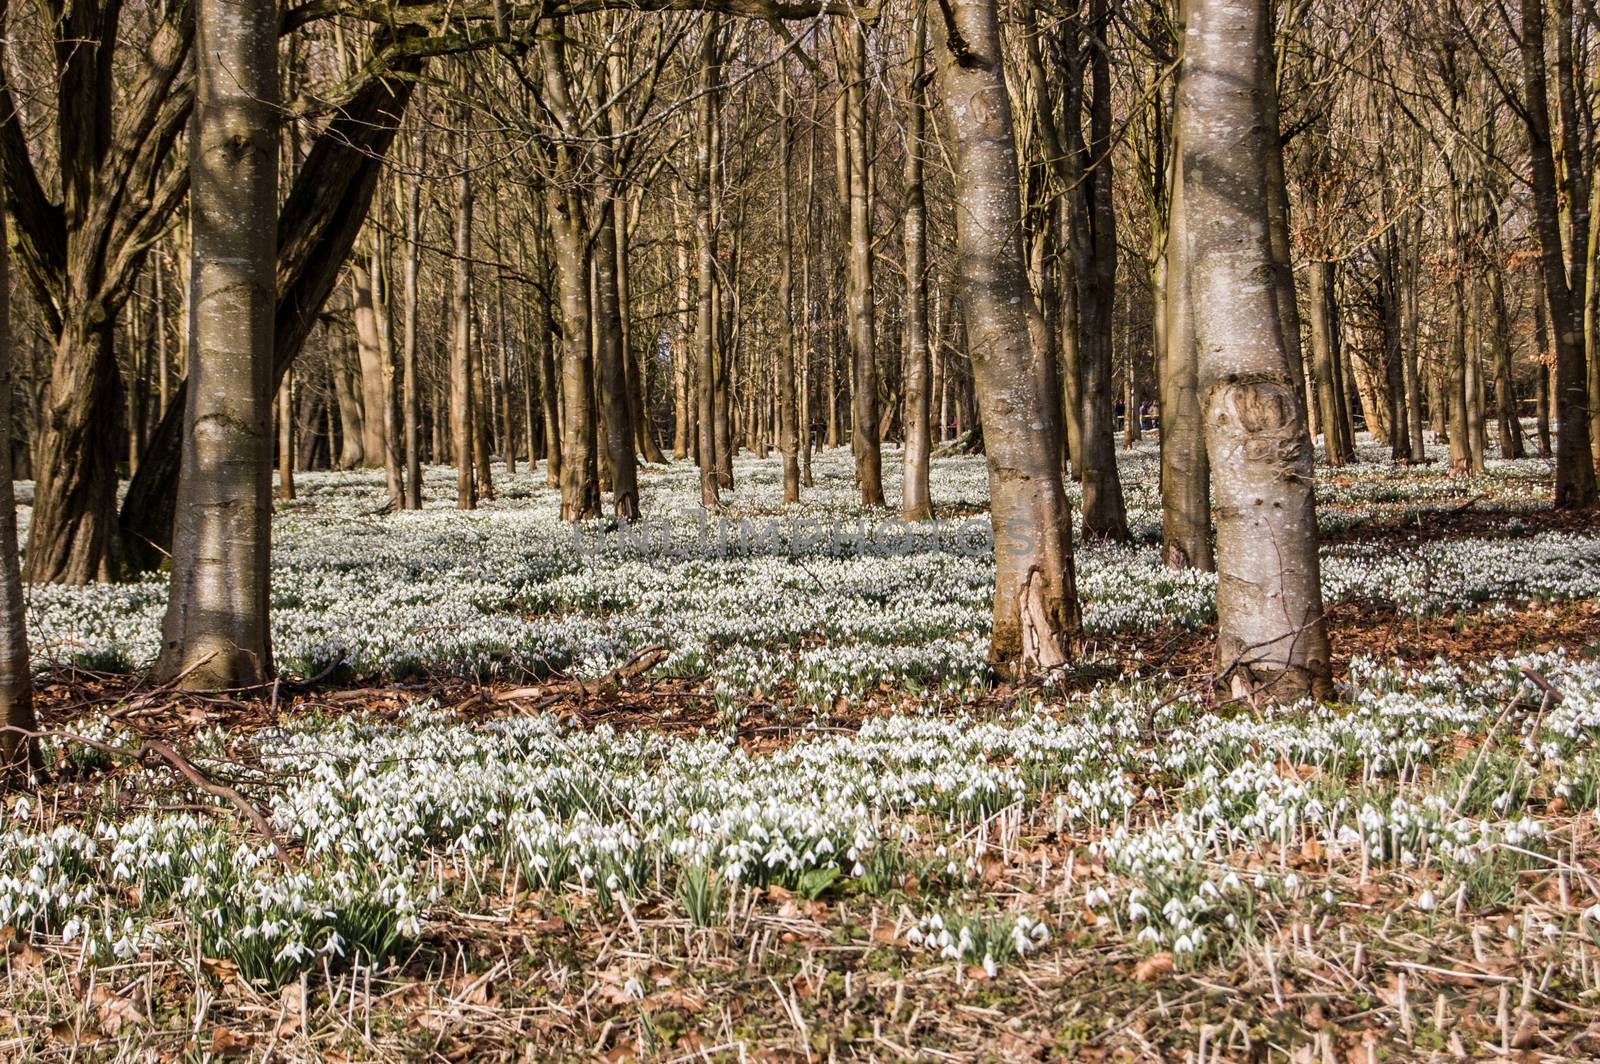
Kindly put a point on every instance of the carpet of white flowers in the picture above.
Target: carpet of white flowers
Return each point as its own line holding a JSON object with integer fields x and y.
{"x": 824, "y": 601}
{"x": 1127, "y": 869}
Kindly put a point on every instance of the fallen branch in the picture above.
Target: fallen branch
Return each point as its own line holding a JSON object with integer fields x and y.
{"x": 196, "y": 778}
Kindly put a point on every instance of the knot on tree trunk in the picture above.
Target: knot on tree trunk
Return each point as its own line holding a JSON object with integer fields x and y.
{"x": 1264, "y": 408}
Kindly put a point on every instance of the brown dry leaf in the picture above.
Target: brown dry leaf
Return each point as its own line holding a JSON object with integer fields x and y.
{"x": 977, "y": 973}
{"x": 885, "y": 934}
{"x": 113, "y": 1011}
{"x": 1527, "y": 1034}
{"x": 1311, "y": 849}
{"x": 292, "y": 1001}
{"x": 64, "y": 1033}
{"x": 1152, "y": 967}
{"x": 226, "y": 1043}
{"x": 689, "y": 1001}
{"x": 25, "y": 958}
{"x": 473, "y": 990}
{"x": 220, "y": 968}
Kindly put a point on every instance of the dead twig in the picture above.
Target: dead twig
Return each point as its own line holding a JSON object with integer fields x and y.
{"x": 196, "y": 778}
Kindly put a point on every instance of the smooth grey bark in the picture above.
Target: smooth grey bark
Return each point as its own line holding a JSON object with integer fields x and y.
{"x": 383, "y": 318}
{"x": 788, "y": 416}
{"x": 863, "y": 326}
{"x": 1035, "y": 604}
{"x": 683, "y": 345}
{"x": 915, "y": 502}
{"x": 580, "y": 476}
{"x": 1542, "y": 368}
{"x": 286, "y": 437}
{"x": 616, "y": 410}
{"x": 410, "y": 381}
{"x": 1335, "y": 442}
{"x": 1185, "y": 470}
{"x": 1456, "y": 367}
{"x": 347, "y": 399}
{"x": 1271, "y": 637}
{"x": 370, "y": 363}
{"x": 461, "y": 429}
{"x": 16, "y": 673}
{"x": 216, "y": 634}
{"x": 709, "y": 440}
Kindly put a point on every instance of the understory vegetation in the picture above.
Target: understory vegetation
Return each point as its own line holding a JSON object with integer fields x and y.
{"x": 757, "y": 795}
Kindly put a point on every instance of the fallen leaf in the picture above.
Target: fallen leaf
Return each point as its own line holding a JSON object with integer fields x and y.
{"x": 114, "y": 1011}
{"x": 292, "y": 1003}
{"x": 226, "y": 1043}
{"x": 1152, "y": 967}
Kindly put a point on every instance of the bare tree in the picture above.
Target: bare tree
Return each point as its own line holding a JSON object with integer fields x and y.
{"x": 1271, "y": 636}
{"x": 1035, "y": 602}
{"x": 216, "y": 634}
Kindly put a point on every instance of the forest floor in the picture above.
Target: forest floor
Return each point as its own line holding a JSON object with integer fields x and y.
{"x": 750, "y": 794}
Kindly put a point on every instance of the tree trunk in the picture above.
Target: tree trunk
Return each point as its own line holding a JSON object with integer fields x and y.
{"x": 788, "y": 416}
{"x": 683, "y": 346}
{"x": 16, "y": 670}
{"x": 502, "y": 356}
{"x": 1456, "y": 391}
{"x": 1564, "y": 284}
{"x": 410, "y": 379}
{"x": 286, "y": 437}
{"x": 1271, "y": 637}
{"x": 710, "y": 440}
{"x": 383, "y": 314}
{"x": 1093, "y": 236}
{"x": 616, "y": 409}
{"x": 915, "y": 504}
{"x": 1185, "y": 470}
{"x": 1035, "y": 603}
{"x": 461, "y": 406}
{"x": 1323, "y": 310}
{"x": 1542, "y": 368}
{"x": 75, "y": 490}
{"x": 370, "y": 362}
{"x": 216, "y": 633}
{"x": 863, "y": 326}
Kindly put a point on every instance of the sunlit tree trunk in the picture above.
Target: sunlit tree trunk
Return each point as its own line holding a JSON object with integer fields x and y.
{"x": 1185, "y": 471}
{"x": 410, "y": 382}
{"x": 461, "y": 427}
{"x": 915, "y": 504}
{"x": 216, "y": 634}
{"x": 1323, "y": 311}
{"x": 1563, "y": 281}
{"x": 611, "y": 373}
{"x": 863, "y": 326}
{"x": 1271, "y": 637}
{"x": 286, "y": 437}
{"x": 16, "y": 673}
{"x": 788, "y": 416}
{"x": 1035, "y": 603}
{"x": 706, "y": 265}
